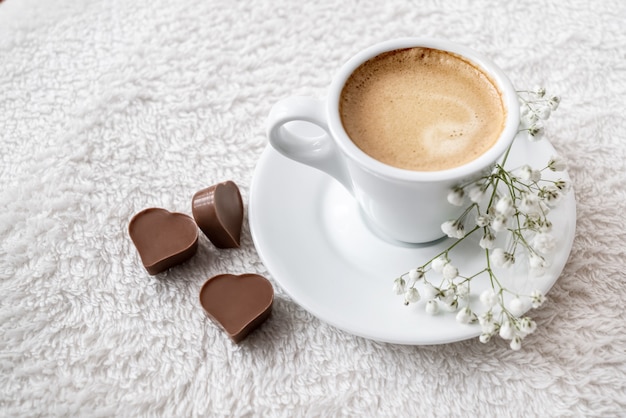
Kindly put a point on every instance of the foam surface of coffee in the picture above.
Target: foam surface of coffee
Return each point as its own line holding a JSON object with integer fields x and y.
{"x": 422, "y": 109}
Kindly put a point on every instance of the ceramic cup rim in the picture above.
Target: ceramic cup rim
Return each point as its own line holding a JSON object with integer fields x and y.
{"x": 509, "y": 96}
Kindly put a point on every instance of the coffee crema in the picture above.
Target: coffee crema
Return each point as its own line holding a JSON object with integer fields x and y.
{"x": 422, "y": 109}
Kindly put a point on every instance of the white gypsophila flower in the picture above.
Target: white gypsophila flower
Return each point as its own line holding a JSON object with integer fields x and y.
{"x": 449, "y": 272}
{"x": 536, "y": 261}
{"x": 554, "y": 102}
{"x": 430, "y": 292}
{"x": 411, "y": 296}
{"x": 453, "y": 229}
{"x": 456, "y": 196}
{"x": 499, "y": 223}
{"x": 399, "y": 286}
{"x": 432, "y": 307}
{"x": 415, "y": 275}
{"x": 438, "y": 263}
{"x": 486, "y": 317}
{"x": 527, "y": 173}
{"x": 463, "y": 290}
{"x": 487, "y": 323}
{"x": 536, "y": 131}
{"x": 487, "y": 241}
{"x": 489, "y": 298}
{"x": 505, "y": 206}
{"x": 502, "y": 259}
{"x": 527, "y": 326}
{"x": 447, "y": 296}
{"x": 451, "y": 306}
{"x": 506, "y": 330}
{"x": 537, "y": 298}
{"x": 544, "y": 242}
{"x": 482, "y": 220}
{"x": 545, "y": 226}
{"x": 539, "y": 91}
{"x": 485, "y": 338}
{"x": 517, "y": 306}
{"x": 465, "y": 315}
{"x": 516, "y": 343}
{"x": 476, "y": 193}
{"x": 551, "y": 195}
{"x": 557, "y": 163}
{"x": 529, "y": 204}
{"x": 562, "y": 185}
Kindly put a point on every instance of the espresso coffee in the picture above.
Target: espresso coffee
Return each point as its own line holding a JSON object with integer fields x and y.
{"x": 422, "y": 109}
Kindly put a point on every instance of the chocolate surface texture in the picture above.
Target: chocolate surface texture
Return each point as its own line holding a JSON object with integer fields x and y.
{"x": 238, "y": 304}
{"x": 162, "y": 238}
{"x": 218, "y": 211}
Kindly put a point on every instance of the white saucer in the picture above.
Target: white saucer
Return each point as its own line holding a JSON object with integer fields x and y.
{"x": 311, "y": 236}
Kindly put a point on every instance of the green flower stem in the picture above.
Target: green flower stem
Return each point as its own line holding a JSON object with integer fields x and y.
{"x": 453, "y": 245}
{"x": 447, "y": 249}
{"x": 467, "y": 279}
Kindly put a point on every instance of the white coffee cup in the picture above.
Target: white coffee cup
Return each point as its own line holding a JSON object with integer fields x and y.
{"x": 403, "y": 205}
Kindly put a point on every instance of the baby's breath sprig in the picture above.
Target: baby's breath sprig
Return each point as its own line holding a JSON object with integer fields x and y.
{"x": 513, "y": 203}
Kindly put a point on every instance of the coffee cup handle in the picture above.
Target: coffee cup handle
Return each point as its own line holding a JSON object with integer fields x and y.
{"x": 298, "y": 129}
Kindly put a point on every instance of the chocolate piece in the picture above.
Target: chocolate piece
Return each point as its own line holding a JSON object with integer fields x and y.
{"x": 163, "y": 239}
{"x": 238, "y": 304}
{"x": 218, "y": 211}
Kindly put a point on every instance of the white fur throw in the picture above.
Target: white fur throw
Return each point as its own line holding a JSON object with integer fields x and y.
{"x": 109, "y": 107}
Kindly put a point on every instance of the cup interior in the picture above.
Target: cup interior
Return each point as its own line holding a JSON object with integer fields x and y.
{"x": 509, "y": 99}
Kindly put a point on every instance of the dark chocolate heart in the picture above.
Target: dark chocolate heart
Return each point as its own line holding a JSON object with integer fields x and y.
{"x": 238, "y": 304}
{"x": 163, "y": 239}
{"x": 218, "y": 211}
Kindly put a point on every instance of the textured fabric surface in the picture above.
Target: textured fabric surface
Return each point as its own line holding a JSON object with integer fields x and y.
{"x": 109, "y": 107}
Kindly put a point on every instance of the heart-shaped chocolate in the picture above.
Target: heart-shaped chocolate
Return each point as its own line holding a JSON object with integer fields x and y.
{"x": 163, "y": 239}
{"x": 218, "y": 211}
{"x": 238, "y": 304}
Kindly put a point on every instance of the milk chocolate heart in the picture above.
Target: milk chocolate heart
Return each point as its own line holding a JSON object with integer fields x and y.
{"x": 218, "y": 211}
{"x": 163, "y": 239}
{"x": 238, "y": 304}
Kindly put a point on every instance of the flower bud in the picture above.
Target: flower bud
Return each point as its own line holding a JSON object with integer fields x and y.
{"x": 527, "y": 325}
{"x": 537, "y": 298}
{"x": 506, "y": 330}
{"x": 487, "y": 241}
{"x": 476, "y": 193}
{"x": 450, "y": 272}
{"x": 554, "y": 102}
{"x": 438, "y": 263}
{"x": 489, "y": 298}
{"x": 465, "y": 315}
{"x": 455, "y": 196}
{"x": 499, "y": 223}
{"x": 432, "y": 307}
{"x": 415, "y": 275}
{"x": 557, "y": 163}
{"x": 505, "y": 206}
{"x": 430, "y": 292}
{"x": 516, "y": 343}
{"x": 482, "y": 220}
{"x": 411, "y": 296}
{"x": 517, "y": 306}
{"x": 544, "y": 242}
{"x": 399, "y": 286}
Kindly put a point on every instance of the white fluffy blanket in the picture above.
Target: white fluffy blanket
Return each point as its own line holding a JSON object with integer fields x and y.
{"x": 109, "y": 107}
